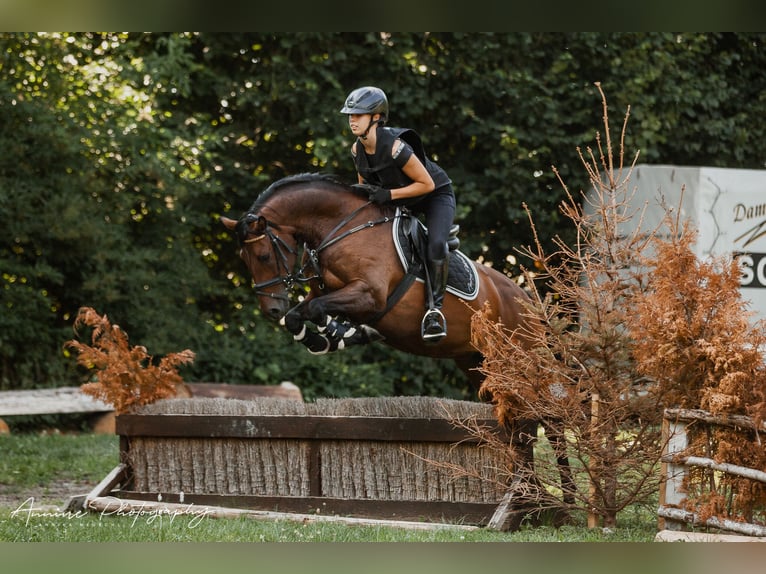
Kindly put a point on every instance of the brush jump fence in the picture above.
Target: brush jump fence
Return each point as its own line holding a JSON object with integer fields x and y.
{"x": 691, "y": 468}
{"x": 392, "y": 458}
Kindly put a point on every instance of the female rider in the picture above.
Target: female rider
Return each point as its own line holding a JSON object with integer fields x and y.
{"x": 392, "y": 166}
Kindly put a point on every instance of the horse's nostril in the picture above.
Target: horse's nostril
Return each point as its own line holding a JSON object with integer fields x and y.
{"x": 275, "y": 313}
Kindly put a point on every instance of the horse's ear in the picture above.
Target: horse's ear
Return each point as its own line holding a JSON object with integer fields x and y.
{"x": 230, "y": 224}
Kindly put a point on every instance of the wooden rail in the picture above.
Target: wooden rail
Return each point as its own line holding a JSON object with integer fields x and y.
{"x": 66, "y": 400}
{"x": 676, "y": 460}
{"x": 62, "y": 400}
{"x": 297, "y": 427}
{"x": 71, "y": 400}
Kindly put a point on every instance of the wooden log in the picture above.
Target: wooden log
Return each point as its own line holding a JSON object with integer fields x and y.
{"x": 692, "y": 518}
{"x": 679, "y": 536}
{"x": 416, "y": 510}
{"x": 61, "y": 400}
{"x": 111, "y": 506}
{"x": 726, "y": 467}
{"x": 509, "y": 513}
{"x": 296, "y": 427}
{"x": 675, "y": 442}
{"x": 116, "y": 476}
{"x": 704, "y": 416}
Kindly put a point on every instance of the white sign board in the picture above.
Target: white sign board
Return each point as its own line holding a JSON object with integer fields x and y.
{"x": 728, "y": 208}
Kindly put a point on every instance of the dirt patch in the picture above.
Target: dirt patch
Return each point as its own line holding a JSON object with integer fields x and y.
{"x": 53, "y": 495}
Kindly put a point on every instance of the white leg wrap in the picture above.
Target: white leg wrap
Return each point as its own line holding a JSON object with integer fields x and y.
{"x": 301, "y": 335}
{"x": 323, "y": 352}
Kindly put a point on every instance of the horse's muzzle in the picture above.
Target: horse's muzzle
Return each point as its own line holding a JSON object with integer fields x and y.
{"x": 274, "y": 310}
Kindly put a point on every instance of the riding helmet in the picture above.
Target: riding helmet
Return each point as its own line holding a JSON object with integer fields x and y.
{"x": 366, "y": 100}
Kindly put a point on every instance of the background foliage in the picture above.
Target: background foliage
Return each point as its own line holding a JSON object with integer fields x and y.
{"x": 120, "y": 151}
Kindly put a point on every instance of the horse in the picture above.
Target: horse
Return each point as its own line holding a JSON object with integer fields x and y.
{"x": 358, "y": 285}
{"x": 353, "y": 270}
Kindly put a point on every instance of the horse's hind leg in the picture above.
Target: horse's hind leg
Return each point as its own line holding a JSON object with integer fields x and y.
{"x": 532, "y": 500}
{"x": 558, "y": 442}
{"x": 524, "y": 497}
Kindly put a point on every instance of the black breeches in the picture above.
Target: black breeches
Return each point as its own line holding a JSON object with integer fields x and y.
{"x": 439, "y": 211}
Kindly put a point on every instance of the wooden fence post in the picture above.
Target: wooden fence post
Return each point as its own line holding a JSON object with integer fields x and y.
{"x": 675, "y": 442}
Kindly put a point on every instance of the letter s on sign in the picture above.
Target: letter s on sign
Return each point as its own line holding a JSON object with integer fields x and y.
{"x": 746, "y": 267}
{"x": 753, "y": 269}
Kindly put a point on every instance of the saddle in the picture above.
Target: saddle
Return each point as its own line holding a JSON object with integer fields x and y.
{"x": 410, "y": 237}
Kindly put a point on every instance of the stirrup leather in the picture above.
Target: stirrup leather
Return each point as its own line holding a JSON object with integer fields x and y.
{"x": 440, "y": 319}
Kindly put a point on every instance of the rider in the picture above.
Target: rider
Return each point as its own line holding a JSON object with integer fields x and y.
{"x": 392, "y": 166}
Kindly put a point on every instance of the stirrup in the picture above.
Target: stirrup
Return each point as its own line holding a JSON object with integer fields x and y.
{"x": 438, "y": 316}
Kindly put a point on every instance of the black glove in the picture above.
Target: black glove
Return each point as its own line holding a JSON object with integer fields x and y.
{"x": 375, "y": 193}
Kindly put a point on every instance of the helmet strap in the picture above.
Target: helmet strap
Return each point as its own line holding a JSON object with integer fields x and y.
{"x": 372, "y": 123}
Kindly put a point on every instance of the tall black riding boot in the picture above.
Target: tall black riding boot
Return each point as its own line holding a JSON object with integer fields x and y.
{"x": 433, "y": 328}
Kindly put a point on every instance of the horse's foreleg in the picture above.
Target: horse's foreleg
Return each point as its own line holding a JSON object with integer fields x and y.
{"x": 297, "y": 322}
{"x": 331, "y": 334}
{"x": 316, "y": 343}
{"x": 325, "y": 312}
{"x": 344, "y": 334}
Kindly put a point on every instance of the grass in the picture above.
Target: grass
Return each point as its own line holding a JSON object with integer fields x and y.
{"x": 35, "y": 461}
{"x": 43, "y": 467}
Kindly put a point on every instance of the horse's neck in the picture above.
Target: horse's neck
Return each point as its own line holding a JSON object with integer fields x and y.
{"x": 319, "y": 214}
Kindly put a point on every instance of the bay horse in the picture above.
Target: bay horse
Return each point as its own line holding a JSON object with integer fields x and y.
{"x": 351, "y": 269}
{"x": 356, "y": 287}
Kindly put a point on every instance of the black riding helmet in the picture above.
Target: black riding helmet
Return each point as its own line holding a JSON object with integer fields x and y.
{"x": 367, "y": 100}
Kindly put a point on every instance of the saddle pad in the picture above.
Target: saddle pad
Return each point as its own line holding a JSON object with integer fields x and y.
{"x": 462, "y": 279}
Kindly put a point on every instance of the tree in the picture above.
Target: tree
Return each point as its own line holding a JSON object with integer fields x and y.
{"x": 143, "y": 140}
{"x": 623, "y": 335}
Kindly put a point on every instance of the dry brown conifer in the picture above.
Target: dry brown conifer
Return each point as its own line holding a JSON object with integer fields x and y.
{"x": 125, "y": 376}
{"x": 634, "y": 323}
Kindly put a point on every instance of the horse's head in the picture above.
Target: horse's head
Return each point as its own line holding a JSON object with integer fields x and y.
{"x": 270, "y": 253}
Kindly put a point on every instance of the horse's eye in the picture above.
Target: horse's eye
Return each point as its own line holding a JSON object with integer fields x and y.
{"x": 264, "y": 257}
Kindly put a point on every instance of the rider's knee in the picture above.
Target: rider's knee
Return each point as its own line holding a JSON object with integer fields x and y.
{"x": 437, "y": 250}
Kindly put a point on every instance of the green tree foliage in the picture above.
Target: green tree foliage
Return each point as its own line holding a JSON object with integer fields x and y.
{"x": 120, "y": 151}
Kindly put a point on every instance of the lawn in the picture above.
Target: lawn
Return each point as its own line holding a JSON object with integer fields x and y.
{"x": 39, "y": 472}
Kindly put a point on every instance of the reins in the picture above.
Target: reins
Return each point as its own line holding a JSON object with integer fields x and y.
{"x": 313, "y": 254}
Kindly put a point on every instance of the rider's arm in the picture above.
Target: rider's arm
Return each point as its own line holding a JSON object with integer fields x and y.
{"x": 408, "y": 162}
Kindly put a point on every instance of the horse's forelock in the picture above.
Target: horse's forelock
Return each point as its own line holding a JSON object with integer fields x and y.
{"x": 242, "y": 228}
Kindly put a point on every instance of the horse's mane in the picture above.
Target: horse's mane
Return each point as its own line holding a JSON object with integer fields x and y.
{"x": 299, "y": 178}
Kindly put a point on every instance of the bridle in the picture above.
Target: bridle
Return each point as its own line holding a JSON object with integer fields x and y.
{"x": 281, "y": 249}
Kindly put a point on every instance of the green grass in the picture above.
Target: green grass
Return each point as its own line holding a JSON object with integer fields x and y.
{"x": 36, "y": 460}
{"x": 36, "y": 466}
{"x": 18, "y": 526}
